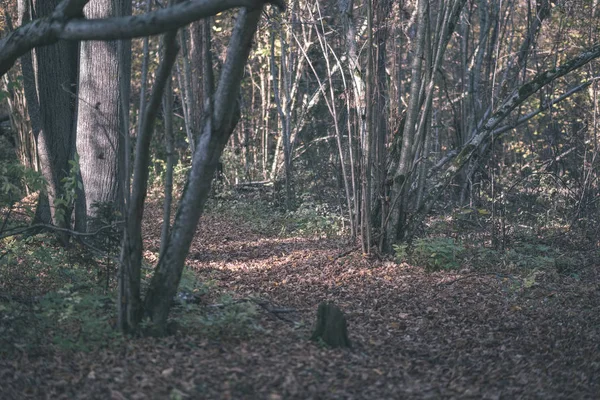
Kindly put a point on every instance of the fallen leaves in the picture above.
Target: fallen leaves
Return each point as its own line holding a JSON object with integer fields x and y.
{"x": 470, "y": 336}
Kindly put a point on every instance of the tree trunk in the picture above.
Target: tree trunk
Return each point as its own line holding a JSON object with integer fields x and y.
{"x": 399, "y": 175}
{"x": 380, "y": 115}
{"x": 212, "y": 141}
{"x": 170, "y": 146}
{"x": 131, "y": 255}
{"x": 346, "y": 8}
{"x": 50, "y": 93}
{"x": 281, "y": 93}
{"x": 100, "y": 123}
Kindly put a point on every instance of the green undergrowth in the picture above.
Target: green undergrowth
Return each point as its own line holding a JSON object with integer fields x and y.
{"x": 201, "y": 308}
{"x": 69, "y": 319}
{"x": 54, "y": 299}
{"x": 309, "y": 219}
{"x": 447, "y": 254}
{"x": 433, "y": 254}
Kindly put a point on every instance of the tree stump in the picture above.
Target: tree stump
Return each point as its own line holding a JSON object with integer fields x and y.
{"x": 331, "y": 326}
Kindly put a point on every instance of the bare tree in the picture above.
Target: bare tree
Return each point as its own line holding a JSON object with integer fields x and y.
{"x": 215, "y": 134}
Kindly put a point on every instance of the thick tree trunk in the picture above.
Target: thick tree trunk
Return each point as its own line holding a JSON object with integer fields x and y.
{"x": 100, "y": 130}
{"x": 50, "y": 79}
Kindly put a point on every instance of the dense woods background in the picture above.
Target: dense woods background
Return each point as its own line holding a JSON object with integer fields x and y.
{"x": 450, "y": 135}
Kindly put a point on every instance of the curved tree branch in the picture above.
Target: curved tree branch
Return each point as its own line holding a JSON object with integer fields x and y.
{"x": 63, "y": 24}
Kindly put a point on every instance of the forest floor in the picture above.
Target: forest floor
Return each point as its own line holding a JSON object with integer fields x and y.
{"x": 415, "y": 334}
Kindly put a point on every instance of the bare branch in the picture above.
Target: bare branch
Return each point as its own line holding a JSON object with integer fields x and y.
{"x": 61, "y": 25}
{"x": 18, "y": 230}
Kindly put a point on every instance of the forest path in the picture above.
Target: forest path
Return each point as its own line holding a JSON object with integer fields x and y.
{"x": 415, "y": 335}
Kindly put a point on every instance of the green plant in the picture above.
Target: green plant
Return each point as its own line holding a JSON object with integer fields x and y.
{"x": 259, "y": 214}
{"x": 35, "y": 262}
{"x": 79, "y": 320}
{"x": 313, "y": 218}
{"x": 180, "y": 174}
{"x": 70, "y": 184}
{"x": 437, "y": 253}
{"x": 14, "y": 178}
{"x": 107, "y": 216}
{"x": 528, "y": 256}
{"x": 230, "y": 318}
{"x": 191, "y": 289}
{"x": 400, "y": 252}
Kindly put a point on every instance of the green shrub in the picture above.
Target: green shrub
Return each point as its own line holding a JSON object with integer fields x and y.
{"x": 36, "y": 265}
{"x": 14, "y": 178}
{"x": 527, "y": 256}
{"x": 315, "y": 219}
{"x": 260, "y": 215}
{"x": 229, "y": 319}
{"x": 436, "y": 254}
{"x": 400, "y": 252}
{"x": 71, "y": 184}
{"x": 79, "y": 320}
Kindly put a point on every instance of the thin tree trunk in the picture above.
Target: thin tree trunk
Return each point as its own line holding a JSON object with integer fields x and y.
{"x": 211, "y": 143}
{"x": 185, "y": 83}
{"x": 170, "y": 146}
{"x": 130, "y": 306}
{"x": 282, "y": 108}
{"x": 399, "y": 179}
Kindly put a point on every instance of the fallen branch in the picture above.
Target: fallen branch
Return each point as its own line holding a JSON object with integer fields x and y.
{"x": 24, "y": 229}
{"x": 477, "y": 274}
{"x": 265, "y": 305}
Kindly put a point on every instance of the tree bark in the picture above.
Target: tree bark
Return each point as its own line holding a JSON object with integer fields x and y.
{"x": 331, "y": 326}
{"x": 100, "y": 124}
{"x": 216, "y": 132}
{"x": 50, "y": 78}
{"x": 131, "y": 256}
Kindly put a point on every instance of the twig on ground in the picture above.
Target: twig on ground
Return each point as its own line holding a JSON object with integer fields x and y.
{"x": 265, "y": 305}
{"x": 477, "y": 274}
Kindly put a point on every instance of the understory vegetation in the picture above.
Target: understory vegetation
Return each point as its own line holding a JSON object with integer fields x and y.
{"x": 255, "y": 275}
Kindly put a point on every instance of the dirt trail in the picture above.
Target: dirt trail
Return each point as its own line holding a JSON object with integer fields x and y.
{"x": 415, "y": 334}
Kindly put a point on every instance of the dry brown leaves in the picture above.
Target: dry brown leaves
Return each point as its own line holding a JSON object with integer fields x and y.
{"x": 413, "y": 337}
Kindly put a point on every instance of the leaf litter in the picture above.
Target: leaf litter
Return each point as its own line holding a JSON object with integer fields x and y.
{"x": 415, "y": 334}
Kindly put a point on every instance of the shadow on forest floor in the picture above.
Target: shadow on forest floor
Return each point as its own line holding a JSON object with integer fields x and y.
{"x": 415, "y": 334}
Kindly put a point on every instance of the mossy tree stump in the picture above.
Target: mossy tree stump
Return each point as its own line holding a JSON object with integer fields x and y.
{"x": 331, "y": 326}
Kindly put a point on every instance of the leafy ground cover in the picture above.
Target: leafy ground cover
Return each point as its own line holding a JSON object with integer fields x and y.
{"x": 494, "y": 332}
